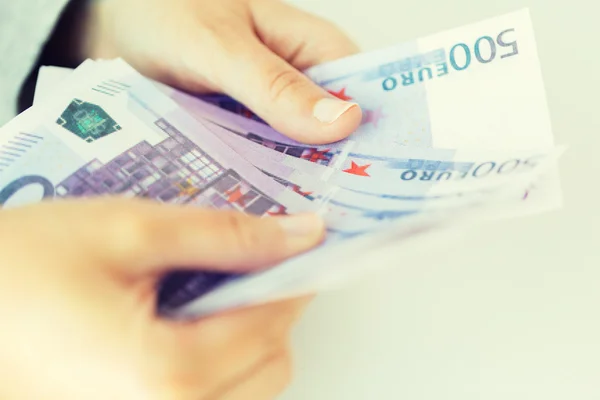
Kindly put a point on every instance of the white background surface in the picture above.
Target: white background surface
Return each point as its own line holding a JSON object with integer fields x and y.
{"x": 509, "y": 310}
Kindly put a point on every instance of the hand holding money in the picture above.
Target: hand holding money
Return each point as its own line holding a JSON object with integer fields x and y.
{"x": 474, "y": 143}
{"x": 105, "y": 129}
{"x": 251, "y": 50}
{"x": 78, "y": 312}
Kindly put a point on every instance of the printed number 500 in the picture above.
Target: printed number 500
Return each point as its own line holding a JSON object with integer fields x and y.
{"x": 477, "y": 50}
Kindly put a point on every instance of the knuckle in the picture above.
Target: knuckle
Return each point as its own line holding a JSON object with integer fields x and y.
{"x": 243, "y": 237}
{"x": 224, "y": 43}
{"x": 129, "y": 232}
{"x": 215, "y": 39}
{"x": 216, "y": 33}
{"x": 285, "y": 81}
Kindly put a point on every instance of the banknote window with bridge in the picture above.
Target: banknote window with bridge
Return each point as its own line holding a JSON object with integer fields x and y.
{"x": 172, "y": 171}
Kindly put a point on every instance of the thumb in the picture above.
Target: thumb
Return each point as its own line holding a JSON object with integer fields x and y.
{"x": 284, "y": 97}
{"x": 143, "y": 237}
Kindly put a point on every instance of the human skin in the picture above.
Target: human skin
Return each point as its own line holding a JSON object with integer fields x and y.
{"x": 77, "y": 277}
{"x": 77, "y": 302}
{"x": 252, "y": 50}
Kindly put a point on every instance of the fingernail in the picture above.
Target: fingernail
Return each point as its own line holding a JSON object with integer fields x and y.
{"x": 301, "y": 224}
{"x": 329, "y": 110}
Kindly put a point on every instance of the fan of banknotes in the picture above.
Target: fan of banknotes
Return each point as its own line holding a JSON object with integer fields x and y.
{"x": 455, "y": 129}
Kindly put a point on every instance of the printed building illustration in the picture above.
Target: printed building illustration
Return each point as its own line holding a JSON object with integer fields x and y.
{"x": 175, "y": 170}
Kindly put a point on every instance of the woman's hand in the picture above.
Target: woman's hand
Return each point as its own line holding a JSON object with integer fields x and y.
{"x": 250, "y": 49}
{"x": 77, "y": 302}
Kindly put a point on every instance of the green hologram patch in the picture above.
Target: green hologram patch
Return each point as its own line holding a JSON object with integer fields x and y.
{"x": 88, "y": 121}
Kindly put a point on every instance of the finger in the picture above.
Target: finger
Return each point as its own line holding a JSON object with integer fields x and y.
{"x": 149, "y": 237}
{"x": 231, "y": 343}
{"x": 265, "y": 381}
{"x": 301, "y": 38}
{"x": 140, "y": 237}
{"x": 277, "y": 92}
{"x": 284, "y": 97}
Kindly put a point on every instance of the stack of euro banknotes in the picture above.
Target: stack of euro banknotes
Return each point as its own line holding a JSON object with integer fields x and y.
{"x": 455, "y": 130}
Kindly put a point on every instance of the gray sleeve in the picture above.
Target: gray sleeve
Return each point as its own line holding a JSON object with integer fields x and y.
{"x": 25, "y": 26}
